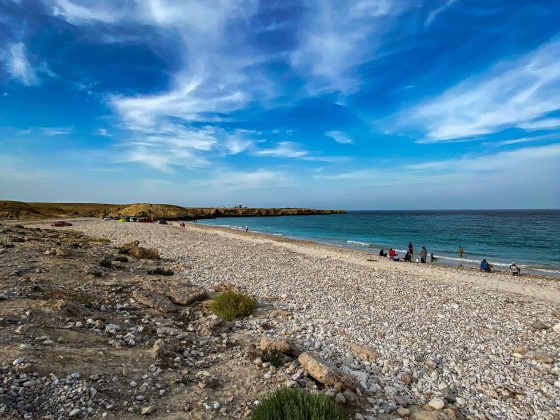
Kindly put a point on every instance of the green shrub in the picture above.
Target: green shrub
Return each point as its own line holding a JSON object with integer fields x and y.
{"x": 273, "y": 356}
{"x": 160, "y": 272}
{"x": 120, "y": 258}
{"x": 231, "y": 305}
{"x": 295, "y": 404}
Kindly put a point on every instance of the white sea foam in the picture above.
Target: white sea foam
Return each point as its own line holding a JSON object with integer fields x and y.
{"x": 359, "y": 243}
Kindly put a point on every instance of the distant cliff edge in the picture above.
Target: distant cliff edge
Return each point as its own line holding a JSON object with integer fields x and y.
{"x": 19, "y": 210}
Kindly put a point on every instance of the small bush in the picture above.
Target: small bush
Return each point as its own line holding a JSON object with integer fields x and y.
{"x": 295, "y": 404}
{"x": 273, "y": 356}
{"x": 160, "y": 272}
{"x": 120, "y": 258}
{"x": 231, "y": 305}
{"x": 122, "y": 251}
{"x": 106, "y": 263}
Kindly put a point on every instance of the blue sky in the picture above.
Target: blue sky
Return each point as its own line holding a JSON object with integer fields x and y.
{"x": 364, "y": 104}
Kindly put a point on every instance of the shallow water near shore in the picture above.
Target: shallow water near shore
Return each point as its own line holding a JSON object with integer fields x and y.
{"x": 531, "y": 238}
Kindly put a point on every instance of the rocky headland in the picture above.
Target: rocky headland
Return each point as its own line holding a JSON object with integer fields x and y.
{"x": 18, "y": 210}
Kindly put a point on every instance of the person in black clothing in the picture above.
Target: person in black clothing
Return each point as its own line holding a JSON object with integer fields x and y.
{"x": 432, "y": 258}
{"x": 382, "y": 253}
{"x": 411, "y": 249}
{"x": 407, "y": 256}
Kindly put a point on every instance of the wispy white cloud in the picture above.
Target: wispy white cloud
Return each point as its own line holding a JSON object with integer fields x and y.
{"x": 434, "y": 13}
{"x": 510, "y": 94}
{"x": 341, "y": 35}
{"x": 103, "y": 132}
{"x": 214, "y": 80}
{"x": 18, "y": 65}
{"x": 283, "y": 149}
{"x": 508, "y": 142}
{"x": 517, "y": 164}
{"x": 239, "y": 180}
{"x": 57, "y": 131}
{"x": 339, "y": 137}
{"x": 169, "y": 145}
{"x": 542, "y": 124}
{"x": 235, "y": 143}
{"x": 73, "y": 12}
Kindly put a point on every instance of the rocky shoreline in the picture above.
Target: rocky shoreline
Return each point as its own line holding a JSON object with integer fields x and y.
{"x": 384, "y": 340}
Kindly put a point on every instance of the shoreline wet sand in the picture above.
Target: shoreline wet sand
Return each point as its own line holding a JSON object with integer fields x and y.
{"x": 489, "y": 338}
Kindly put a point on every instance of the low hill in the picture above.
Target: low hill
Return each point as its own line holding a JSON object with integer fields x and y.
{"x": 29, "y": 211}
{"x": 18, "y": 210}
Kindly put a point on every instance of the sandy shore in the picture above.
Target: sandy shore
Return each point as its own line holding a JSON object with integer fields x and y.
{"x": 442, "y": 327}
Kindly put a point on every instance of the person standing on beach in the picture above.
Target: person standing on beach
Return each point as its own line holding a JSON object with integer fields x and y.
{"x": 246, "y": 228}
{"x": 461, "y": 250}
{"x": 423, "y": 255}
{"x": 411, "y": 249}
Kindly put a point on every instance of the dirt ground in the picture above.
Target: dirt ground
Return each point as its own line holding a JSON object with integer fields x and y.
{"x": 75, "y": 344}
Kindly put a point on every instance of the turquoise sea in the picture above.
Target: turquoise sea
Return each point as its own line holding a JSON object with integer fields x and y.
{"x": 529, "y": 237}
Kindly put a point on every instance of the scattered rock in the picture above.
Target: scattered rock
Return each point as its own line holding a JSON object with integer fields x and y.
{"x": 283, "y": 345}
{"x": 403, "y": 412}
{"x": 364, "y": 352}
{"x": 542, "y": 358}
{"x": 406, "y": 378}
{"x": 539, "y": 325}
{"x": 325, "y": 372}
{"x": 437, "y": 403}
{"x": 445, "y": 414}
{"x": 154, "y": 300}
{"x": 148, "y": 410}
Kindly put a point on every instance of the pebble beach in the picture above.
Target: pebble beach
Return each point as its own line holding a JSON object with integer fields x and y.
{"x": 487, "y": 343}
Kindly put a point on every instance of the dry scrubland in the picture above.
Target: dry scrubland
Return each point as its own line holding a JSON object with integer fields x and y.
{"x": 402, "y": 339}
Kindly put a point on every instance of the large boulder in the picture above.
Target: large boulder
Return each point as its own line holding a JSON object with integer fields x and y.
{"x": 280, "y": 344}
{"x": 137, "y": 251}
{"x": 325, "y": 372}
{"x": 179, "y": 293}
{"x": 154, "y": 300}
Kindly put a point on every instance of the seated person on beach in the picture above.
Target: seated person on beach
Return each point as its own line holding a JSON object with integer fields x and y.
{"x": 432, "y": 258}
{"x": 393, "y": 255}
{"x": 407, "y": 256}
{"x": 515, "y": 270}
{"x": 382, "y": 253}
{"x": 485, "y": 265}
